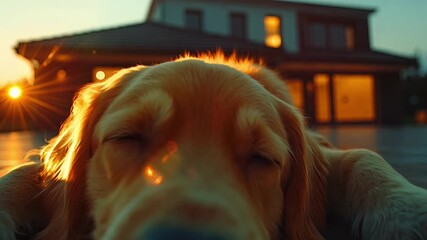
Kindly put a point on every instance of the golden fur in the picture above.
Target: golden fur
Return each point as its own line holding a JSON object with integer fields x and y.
{"x": 206, "y": 144}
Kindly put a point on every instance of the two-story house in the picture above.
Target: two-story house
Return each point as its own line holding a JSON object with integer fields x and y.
{"x": 323, "y": 52}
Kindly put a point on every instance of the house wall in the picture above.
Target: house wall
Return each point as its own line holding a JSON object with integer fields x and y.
{"x": 390, "y": 98}
{"x": 216, "y": 19}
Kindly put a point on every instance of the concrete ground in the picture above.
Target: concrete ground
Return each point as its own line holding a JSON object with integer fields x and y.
{"x": 405, "y": 148}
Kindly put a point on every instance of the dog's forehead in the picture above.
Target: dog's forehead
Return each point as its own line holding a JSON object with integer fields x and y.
{"x": 194, "y": 82}
{"x": 195, "y": 93}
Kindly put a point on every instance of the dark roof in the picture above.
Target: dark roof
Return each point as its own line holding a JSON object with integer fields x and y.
{"x": 152, "y": 40}
{"x": 357, "y": 56}
{"x": 138, "y": 38}
{"x": 302, "y": 7}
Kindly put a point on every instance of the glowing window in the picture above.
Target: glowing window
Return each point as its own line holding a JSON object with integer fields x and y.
{"x": 273, "y": 36}
{"x": 354, "y": 98}
{"x": 102, "y": 73}
{"x": 297, "y": 92}
{"x": 322, "y": 98}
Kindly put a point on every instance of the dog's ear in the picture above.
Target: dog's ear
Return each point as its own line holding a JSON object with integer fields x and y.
{"x": 66, "y": 156}
{"x": 305, "y": 183}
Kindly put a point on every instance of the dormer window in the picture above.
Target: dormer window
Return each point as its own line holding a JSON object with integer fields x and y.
{"x": 273, "y": 36}
{"x": 341, "y": 37}
{"x": 193, "y": 20}
{"x": 334, "y": 36}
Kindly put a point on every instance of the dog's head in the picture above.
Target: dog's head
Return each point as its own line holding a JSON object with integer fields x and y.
{"x": 206, "y": 148}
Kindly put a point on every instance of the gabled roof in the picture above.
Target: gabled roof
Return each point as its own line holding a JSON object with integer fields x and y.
{"x": 152, "y": 42}
{"x": 137, "y": 39}
{"x": 302, "y": 7}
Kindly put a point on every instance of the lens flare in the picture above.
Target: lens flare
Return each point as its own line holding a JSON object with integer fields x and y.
{"x": 15, "y": 92}
{"x": 152, "y": 176}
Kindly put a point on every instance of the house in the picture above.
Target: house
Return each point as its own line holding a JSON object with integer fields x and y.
{"x": 322, "y": 52}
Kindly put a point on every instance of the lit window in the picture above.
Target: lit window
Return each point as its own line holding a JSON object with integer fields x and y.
{"x": 322, "y": 98}
{"x": 273, "y": 36}
{"x": 296, "y": 90}
{"x": 102, "y": 73}
{"x": 354, "y": 98}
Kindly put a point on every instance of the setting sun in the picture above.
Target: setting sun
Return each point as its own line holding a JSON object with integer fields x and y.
{"x": 15, "y": 92}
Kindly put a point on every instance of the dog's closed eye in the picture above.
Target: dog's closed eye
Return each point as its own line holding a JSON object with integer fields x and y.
{"x": 262, "y": 160}
{"x": 123, "y": 137}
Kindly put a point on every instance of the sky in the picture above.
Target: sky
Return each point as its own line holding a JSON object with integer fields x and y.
{"x": 397, "y": 26}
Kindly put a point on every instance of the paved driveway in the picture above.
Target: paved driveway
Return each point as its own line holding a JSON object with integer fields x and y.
{"x": 405, "y": 148}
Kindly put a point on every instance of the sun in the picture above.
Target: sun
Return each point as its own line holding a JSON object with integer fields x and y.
{"x": 15, "y": 92}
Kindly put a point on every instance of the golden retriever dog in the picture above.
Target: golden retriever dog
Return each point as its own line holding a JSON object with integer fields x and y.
{"x": 207, "y": 148}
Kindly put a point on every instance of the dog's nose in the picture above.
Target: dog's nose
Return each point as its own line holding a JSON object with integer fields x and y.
{"x": 167, "y": 232}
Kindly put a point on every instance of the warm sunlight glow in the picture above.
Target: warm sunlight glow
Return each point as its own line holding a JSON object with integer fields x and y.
{"x": 100, "y": 75}
{"x": 152, "y": 176}
{"x": 15, "y": 92}
{"x": 273, "y": 36}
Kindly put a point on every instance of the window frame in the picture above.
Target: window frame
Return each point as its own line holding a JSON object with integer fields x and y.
{"x": 193, "y": 12}
{"x": 242, "y": 17}
{"x": 329, "y": 24}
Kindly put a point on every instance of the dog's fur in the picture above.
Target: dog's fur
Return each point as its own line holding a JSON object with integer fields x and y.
{"x": 210, "y": 146}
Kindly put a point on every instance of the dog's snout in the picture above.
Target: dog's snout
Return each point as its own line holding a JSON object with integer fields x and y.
{"x": 170, "y": 232}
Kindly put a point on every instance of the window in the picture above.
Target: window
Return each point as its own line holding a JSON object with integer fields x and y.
{"x": 341, "y": 37}
{"x": 193, "y": 20}
{"x": 354, "y": 98}
{"x": 322, "y": 98}
{"x": 349, "y": 32}
{"x": 238, "y": 25}
{"x": 296, "y": 88}
{"x": 344, "y": 98}
{"x": 273, "y": 36}
{"x": 320, "y": 35}
{"x": 316, "y": 35}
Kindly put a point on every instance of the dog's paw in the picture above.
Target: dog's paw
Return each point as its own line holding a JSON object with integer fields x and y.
{"x": 7, "y": 227}
{"x": 402, "y": 217}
